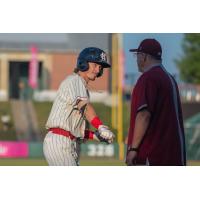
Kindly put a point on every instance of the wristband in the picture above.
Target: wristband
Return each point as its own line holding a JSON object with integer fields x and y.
{"x": 96, "y": 122}
{"x": 133, "y": 149}
{"x": 89, "y": 135}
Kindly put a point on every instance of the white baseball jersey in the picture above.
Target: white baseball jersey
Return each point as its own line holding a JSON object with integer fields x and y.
{"x": 58, "y": 149}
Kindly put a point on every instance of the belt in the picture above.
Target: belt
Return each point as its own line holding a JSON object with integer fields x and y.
{"x": 63, "y": 132}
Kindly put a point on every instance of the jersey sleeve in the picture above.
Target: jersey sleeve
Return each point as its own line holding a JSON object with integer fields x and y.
{"x": 77, "y": 91}
{"x": 145, "y": 94}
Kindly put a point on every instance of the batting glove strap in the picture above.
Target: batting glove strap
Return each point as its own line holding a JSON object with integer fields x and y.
{"x": 101, "y": 139}
{"x": 105, "y": 132}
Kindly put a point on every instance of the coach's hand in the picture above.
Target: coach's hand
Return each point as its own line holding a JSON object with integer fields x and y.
{"x": 130, "y": 158}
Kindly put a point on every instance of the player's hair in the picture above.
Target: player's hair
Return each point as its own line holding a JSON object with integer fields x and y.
{"x": 76, "y": 70}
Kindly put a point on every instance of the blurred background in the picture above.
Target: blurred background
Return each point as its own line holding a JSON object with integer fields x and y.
{"x": 33, "y": 65}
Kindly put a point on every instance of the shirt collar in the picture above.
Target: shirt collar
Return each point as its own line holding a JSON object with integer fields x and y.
{"x": 82, "y": 79}
{"x": 153, "y": 65}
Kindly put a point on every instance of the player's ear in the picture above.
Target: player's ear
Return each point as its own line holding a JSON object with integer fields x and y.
{"x": 76, "y": 70}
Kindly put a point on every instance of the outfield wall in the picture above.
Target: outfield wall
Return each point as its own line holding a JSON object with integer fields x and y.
{"x": 10, "y": 149}
{"x": 34, "y": 150}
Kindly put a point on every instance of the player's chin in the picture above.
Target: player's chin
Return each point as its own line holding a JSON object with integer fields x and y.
{"x": 93, "y": 78}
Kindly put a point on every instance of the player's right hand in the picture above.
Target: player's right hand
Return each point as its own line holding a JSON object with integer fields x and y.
{"x": 106, "y": 133}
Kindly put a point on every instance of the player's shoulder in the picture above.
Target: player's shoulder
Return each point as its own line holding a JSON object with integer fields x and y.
{"x": 72, "y": 77}
{"x": 73, "y": 80}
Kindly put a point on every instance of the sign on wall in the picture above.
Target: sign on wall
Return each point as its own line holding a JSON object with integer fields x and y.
{"x": 98, "y": 150}
{"x": 13, "y": 149}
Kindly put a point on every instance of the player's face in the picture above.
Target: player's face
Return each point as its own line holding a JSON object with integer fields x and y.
{"x": 93, "y": 71}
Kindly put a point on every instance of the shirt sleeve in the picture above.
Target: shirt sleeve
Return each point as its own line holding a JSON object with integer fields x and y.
{"x": 146, "y": 94}
{"x": 77, "y": 91}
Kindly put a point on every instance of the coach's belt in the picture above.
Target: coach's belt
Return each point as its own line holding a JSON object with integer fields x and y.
{"x": 63, "y": 132}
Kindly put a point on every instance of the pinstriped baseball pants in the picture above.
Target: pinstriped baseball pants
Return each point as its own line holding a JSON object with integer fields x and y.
{"x": 60, "y": 150}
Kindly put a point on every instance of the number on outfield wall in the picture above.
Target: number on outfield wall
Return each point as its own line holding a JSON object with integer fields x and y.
{"x": 91, "y": 150}
{"x": 100, "y": 150}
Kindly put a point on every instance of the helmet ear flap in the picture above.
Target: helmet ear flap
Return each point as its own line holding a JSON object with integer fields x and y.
{"x": 82, "y": 65}
{"x": 100, "y": 73}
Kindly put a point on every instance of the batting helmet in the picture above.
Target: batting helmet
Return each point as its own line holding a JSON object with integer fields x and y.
{"x": 92, "y": 54}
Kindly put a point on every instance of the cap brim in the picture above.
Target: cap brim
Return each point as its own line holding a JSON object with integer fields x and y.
{"x": 133, "y": 50}
{"x": 106, "y": 65}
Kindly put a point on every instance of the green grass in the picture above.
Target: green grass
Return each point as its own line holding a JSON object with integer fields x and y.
{"x": 22, "y": 162}
{"x": 193, "y": 163}
{"x": 10, "y": 134}
{"x": 101, "y": 162}
{"x": 42, "y": 112}
{"x": 5, "y": 107}
{"x": 83, "y": 162}
{"x": 42, "y": 162}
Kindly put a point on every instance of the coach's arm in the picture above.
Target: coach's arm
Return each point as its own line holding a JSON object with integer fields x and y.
{"x": 141, "y": 124}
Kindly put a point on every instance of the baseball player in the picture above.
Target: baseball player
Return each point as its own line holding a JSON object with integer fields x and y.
{"x": 67, "y": 120}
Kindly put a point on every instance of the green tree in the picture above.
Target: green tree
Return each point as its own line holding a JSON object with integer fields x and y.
{"x": 189, "y": 64}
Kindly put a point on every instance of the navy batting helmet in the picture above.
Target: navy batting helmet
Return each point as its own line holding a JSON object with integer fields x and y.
{"x": 92, "y": 54}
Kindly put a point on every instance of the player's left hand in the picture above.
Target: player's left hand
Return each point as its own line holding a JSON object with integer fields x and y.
{"x": 106, "y": 133}
{"x": 101, "y": 139}
{"x": 130, "y": 158}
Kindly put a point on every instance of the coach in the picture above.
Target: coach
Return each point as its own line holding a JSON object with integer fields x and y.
{"x": 156, "y": 133}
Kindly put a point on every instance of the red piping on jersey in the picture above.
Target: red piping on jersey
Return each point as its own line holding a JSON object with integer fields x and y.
{"x": 89, "y": 135}
{"x": 63, "y": 132}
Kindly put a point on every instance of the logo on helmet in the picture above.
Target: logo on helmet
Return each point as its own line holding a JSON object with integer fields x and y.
{"x": 103, "y": 56}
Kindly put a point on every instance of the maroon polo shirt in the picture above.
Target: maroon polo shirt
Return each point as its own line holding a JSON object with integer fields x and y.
{"x": 164, "y": 142}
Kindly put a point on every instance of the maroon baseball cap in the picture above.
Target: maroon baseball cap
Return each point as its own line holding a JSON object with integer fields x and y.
{"x": 151, "y": 47}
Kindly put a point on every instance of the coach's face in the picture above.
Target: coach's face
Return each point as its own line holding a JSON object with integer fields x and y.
{"x": 93, "y": 71}
{"x": 141, "y": 58}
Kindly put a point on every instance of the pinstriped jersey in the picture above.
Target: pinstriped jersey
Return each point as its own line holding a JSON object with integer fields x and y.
{"x": 64, "y": 113}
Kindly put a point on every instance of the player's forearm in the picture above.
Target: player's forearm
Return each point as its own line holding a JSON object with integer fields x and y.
{"x": 90, "y": 112}
{"x": 92, "y": 117}
{"x": 141, "y": 125}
